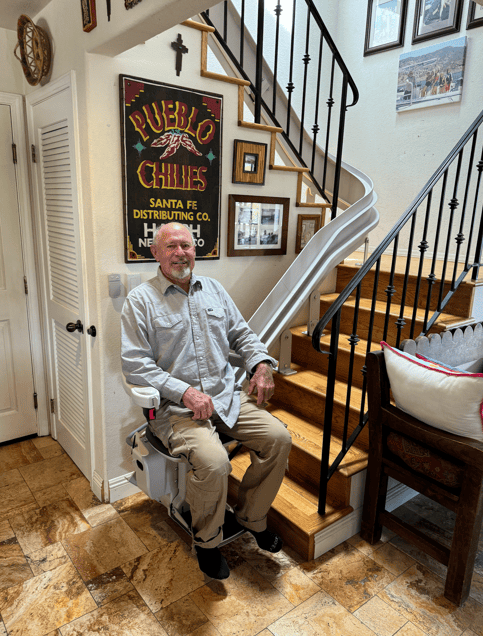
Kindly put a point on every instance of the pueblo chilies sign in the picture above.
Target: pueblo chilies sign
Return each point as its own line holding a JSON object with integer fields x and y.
{"x": 171, "y": 150}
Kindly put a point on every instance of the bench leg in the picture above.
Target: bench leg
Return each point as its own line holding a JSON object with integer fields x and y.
{"x": 465, "y": 538}
{"x": 374, "y": 502}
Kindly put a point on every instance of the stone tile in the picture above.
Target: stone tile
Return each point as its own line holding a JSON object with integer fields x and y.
{"x": 44, "y": 603}
{"x": 357, "y": 542}
{"x": 98, "y": 550}
{"x": 181, "y": 618}
{"x": 51, "y": 495}
{"x": 320, "y": 615}
{"x": 45, "y": 440}
{"x": 19, "y": 454}
{"x": 11, "y": 478}
{"x": 48, "y": 558}
{"x": 14, "y": 497}
{"x": 3, "y": 629}
{"x": 109, "y": 586}
{"x": 131, "y": 503}
{"x": 392, "y": 559}
{"x": 122, "y": 617}
{"x": 420, "y": 556}
{"x": 418, "y": 596}
{"x": 476, "y": 590}
{"x": 179, "y": 566}
{"x": 348, "y": 575}
{"x": 45, "y": 526}
{"x": 50, "y": 472}
{"x": 210, "y": 630}
{"x": 52, "y": 450}
{"x": 295, "y": 585}
{"x": 13, "y": 565}
{"x": 93, "y": 510}
{"x": 146, "y": 518}
{"x": 14, "y": 512}
{"x": 411, "y": 630}
{"x": 242, "y": 605}
{"x": 6, "y": 531}
{"x": 380, "y": 617}
{"x": 469, "y": 632}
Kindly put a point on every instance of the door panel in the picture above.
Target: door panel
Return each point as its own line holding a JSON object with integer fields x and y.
{"x": 18, "y": 417}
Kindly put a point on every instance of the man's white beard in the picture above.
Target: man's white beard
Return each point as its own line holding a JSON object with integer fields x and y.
{"x": 180, "y": 274}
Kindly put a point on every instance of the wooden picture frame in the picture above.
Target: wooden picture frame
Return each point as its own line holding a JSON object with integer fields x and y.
{"x": 249, "y": 162}
{"x": 475, "y": 16}
{"x": 307, "y": 226}
{"x": 257, "y": 226}
{"x": 385, "y": 25}
{"x": 434, "y": 20}
{"x": 89, "y": 16}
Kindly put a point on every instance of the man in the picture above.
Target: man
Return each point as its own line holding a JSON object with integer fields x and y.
{"x": 177, "y": 332}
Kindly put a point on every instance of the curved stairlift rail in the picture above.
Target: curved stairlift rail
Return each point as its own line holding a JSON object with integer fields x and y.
{"x": 403, "y": 315}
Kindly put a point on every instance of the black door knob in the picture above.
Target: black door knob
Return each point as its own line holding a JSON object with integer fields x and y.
{"x": 92, "y": 331}
{"x": 78, "y": 326}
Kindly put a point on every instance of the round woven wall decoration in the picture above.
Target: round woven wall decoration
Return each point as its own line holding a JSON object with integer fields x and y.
{"x": 35, "y": 51}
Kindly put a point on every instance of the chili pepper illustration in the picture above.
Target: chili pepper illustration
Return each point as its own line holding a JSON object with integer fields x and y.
{"x": 174, "y": 139}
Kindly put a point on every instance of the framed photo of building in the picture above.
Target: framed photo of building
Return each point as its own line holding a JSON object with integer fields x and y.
{"x": 432, "y": 76}
{"x": 249, "y": 162}
{"x": 475, "y": 16}
{"x": 434, "y": 18}
{"x": 307, "y": 226}
{"x": 257, "y": 226}
{"x": 385, "y": 26}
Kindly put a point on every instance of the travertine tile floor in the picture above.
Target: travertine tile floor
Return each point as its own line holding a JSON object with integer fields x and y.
{"x": 72, "y": 566}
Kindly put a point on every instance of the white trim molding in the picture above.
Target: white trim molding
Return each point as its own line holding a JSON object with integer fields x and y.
{"x": 121, "y": 487}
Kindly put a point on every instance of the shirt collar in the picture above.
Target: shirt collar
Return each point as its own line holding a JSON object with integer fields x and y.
{"x": 165, "y": 284}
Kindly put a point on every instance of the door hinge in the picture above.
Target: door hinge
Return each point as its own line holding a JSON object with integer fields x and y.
{"x": 14, "y": 152}
{"x": 26, "y": 285}
{"x": 34, "y": 156}
{"x": 36, "y": 404}
{"x": 52, "y": 406}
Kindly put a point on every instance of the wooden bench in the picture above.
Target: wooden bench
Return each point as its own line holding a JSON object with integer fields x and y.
{"x": 464, "y": 496}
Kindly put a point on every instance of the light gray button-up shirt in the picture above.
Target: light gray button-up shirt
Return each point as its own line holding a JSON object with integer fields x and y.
{"x": 172, "y": 340}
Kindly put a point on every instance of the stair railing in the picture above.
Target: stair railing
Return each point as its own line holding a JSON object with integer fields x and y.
{"x": 433, "y": 218}
{"x": 263, "y": 47}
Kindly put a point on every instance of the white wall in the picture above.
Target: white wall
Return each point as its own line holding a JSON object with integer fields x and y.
{"x": 11, "y": 75}
{"x": 399, "y": 151}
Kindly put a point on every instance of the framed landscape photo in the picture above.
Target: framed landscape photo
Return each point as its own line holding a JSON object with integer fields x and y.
{"x": 257, "y": 226}
{"x": 385, "y": 25}
{"x": 307, "y": 226}
{"x": 475, "y": 16}
{"x": 434, "y": 18}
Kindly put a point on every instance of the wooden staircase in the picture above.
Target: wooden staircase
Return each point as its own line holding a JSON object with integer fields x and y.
{"x": 299, "y": 402}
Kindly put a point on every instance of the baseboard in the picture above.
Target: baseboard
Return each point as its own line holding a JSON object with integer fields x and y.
{"x": 348, "y": 526}
{"x": 121, "y": 487}
{"x": 97, "y": 486}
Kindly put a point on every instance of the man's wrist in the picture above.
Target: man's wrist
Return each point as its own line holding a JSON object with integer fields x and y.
{"x": 267, "y": 362}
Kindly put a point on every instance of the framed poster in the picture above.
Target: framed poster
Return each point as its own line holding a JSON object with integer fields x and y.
{"x": 171, "y": 153}
{"x": 257, "y": 226}
{"x": 475, "y": 16}
{"x": 431, "y": 76}
{"x": 434, "y": 18}
{"x": 307, "y": 226}
{"x": 385, "y": 25}
{"x": 89, "y": 16}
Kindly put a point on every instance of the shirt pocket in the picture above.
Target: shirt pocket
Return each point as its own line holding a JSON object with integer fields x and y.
{"x": 216, "y": 320}
{"x": 169, "y": 331}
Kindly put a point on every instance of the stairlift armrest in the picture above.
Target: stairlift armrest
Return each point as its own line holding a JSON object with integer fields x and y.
{"x": 147, "y": 397}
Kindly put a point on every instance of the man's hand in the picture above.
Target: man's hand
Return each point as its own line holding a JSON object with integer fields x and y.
{"x": 199, "y": 403}
{"x": 262, "y": 380}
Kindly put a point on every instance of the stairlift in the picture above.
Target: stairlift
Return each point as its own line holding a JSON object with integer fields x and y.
{"x": 160, "y": 475}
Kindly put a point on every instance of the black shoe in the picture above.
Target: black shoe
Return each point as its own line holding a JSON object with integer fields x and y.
{"x": 268, "y": 541}
{"x": 231, "y": 525}
{"x": 212, "y": 563}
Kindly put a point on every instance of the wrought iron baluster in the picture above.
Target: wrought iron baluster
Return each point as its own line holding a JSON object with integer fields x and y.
{"x": 340, "y": 142}
{"x": 330, "y": 104}
{"x": 479, "y": 169}
{"x": 278, "y": 11}
{"x": 423, "y": 246}
{"x": 400, "y": 322}
{"x": 369, "y": 338}
{"x": 453, "y": 204}
{"x": 316, "y": 127}
{"x": 390, "y": 289}
{"x": 259, "y": 67}
{"x": 479, "y": 241}
{"x": 432, "y": 276}
{"x": 306, "y": 61}
{"x": 242, "y": 32}
{"x": 460, "y": 238}
{"x": 291, "y": 85}
{"x": 225, "y": 20}
{"x": 329, "y": 409}
{"x": 353, "y": 340}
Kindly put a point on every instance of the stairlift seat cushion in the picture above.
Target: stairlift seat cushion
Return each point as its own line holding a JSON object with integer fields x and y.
{"x": 449, "y": 400}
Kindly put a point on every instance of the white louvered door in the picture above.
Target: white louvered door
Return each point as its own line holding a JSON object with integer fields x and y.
{"x": 51, "y": 123}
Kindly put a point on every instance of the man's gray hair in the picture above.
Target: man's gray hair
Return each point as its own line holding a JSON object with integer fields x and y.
{"x": 163, "y": 225}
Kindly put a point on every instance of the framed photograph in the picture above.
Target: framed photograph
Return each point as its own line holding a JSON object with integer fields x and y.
{"x": 249, "y": 162}
{"x": 475, "y": 16}
{"x": 434, "y": 18}
{"x": 431, "y": 76}
{"x": 307, "y": 226}
{"x": 89, "y": 17}
{"x": 257, "y": 226}
{"x": 385, "y": 26}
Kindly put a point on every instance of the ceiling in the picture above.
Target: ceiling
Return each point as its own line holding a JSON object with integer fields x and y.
{"x": 10, "y": 10}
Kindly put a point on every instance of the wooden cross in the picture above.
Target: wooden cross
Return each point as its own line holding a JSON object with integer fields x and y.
{"x": 180, "y": 48}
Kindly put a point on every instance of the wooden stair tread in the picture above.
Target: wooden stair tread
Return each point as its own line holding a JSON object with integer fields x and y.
{"x": 344, "y": 344}
{"x": 293, "y": 502}
{"x": 445, "y": 320}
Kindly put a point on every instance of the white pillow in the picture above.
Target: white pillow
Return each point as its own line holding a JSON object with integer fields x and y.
{"x": 448, "y": 400}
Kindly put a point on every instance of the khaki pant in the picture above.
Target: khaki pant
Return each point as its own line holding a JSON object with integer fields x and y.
{"x": 206, "y": 491}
